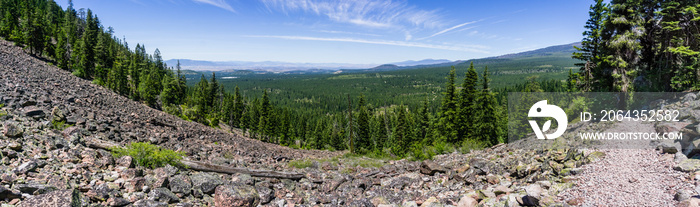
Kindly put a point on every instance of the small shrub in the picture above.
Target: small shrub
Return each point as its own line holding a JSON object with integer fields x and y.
{"x": 214, "y": 123}
{"x": 60, "y": 125}
{"x": 174, "y": 110}
{"x": 421, "y": 153}
{"x": 2, "y": 112}
{"x": 440, "y": 147}
{"x": 149, "y": 155}
{"x": 469, "y": 145}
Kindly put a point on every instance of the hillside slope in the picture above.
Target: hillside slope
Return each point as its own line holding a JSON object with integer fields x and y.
{"x": 119, "y": 119}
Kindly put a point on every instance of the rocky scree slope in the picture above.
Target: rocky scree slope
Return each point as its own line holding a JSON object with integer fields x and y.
{"x": 42, "y": 166}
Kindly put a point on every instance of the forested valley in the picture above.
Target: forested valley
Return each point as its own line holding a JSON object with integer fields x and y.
{"x": 627, "y": 46}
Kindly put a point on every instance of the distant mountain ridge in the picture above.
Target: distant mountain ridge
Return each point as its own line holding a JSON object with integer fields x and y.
{"x": 421, "y": 62}
{"x": 278, "y": 66}
{"x": 271, "y": 66}
{"x": 559, "y": 51}
{"x": 566, "y": 48}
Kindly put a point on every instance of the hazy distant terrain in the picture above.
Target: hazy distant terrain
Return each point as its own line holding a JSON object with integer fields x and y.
{"x": 276, "y": 66}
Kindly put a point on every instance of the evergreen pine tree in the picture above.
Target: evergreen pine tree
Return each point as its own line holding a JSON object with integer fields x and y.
{"x": 363, "y": 141}
{"x": 621, "y": 56}
{"x": 402, "y": 133}
{"x": 86, "y": 63}
{"x": 181, "y": 84}
{"x": 448, "y": 111}
{"x": 487, "y": 126}
{"x": 422, "y": 122}
{"x": 467, "y": 106}
{"x": 201, "y": 93}
{"x": 590, "y": 50}
{"x": 237, "y": 107}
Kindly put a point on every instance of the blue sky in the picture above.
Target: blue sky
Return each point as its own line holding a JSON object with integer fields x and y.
{"x": 340, "y": 31}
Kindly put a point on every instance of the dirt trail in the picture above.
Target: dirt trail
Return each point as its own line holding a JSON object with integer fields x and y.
{"x": 631, "y": 174}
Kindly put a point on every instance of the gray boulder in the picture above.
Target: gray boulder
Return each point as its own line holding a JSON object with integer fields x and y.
{"x": 180, "y": 184}
{"x": 12, "y": 130}
{"x": 429, "y": 167}
{"x": 163, "y": 195}
{"x": 205, "y": 182}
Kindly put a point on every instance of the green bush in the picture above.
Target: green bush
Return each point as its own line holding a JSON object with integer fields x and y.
{"x": 441, "y": 147}
{"x": 149, "y": 155}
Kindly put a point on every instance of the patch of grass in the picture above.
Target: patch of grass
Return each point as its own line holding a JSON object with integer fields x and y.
{"x": 149, "y": 155}
{"x": 354, "y": 160}
{"x": 471, "y": 145}
{"x": 300, "y": 164}
{"x": 60, "y": 125}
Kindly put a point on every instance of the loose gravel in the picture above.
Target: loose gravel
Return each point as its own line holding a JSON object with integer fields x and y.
{"x": 631, "y": 174}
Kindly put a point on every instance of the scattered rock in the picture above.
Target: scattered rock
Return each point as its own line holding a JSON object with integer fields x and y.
{"x": 15, "y": 146}
{"x": 163, "y": 195}
{"x": 26, "y": 167}
{"x": 688, "y": 165}
{"x": 117, "y": 202}
{"x": 55, "y": 198}
{"x": 57, "y": 115}
{"x": 679, "y": 157}
{"x": 33, "y": 111}
{"x": 149, "y": 203}
{"x": 7, "y": 194}
{"x": 431, "y": 202}
{"x": 595, "y": 156}
{"x": 34, "y": 188}
{"x": 236, "y": 195}
{"x": 533, "y": 196}
{"x": 501, "y": 189}
{"x": 429, "y": 167}
{"x": 682, "y": 195}
{"x": 125, "y": 161}
{"x": 576, "y": 201}
{"x": 180, "y": 184}
{"x": 670, "y": 148}
{"x": 205, "y": 182}
{"x": 467, "y": 201}
{"x": 266, "y": 195}
{"x": 12, "y": 130}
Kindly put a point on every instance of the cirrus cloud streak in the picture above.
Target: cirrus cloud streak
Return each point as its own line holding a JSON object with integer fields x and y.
{"x": 463, "y": 48}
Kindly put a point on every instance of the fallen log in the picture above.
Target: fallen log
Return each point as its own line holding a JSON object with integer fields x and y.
{"x": 201, "y": 166}
{"x": 207, "y": 167}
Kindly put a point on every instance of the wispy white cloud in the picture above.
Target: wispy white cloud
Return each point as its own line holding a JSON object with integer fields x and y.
{"x": 463, "y": 48}
{"x": 368, "y": 13}
{"x": 345, "y": 32}
{"x": 448, "y": 29}
{"x": 217, "y": 3}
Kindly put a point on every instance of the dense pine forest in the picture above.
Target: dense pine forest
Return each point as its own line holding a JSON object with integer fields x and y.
{"x": 627, "y": 46}
{"x": 640, "y": 46}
